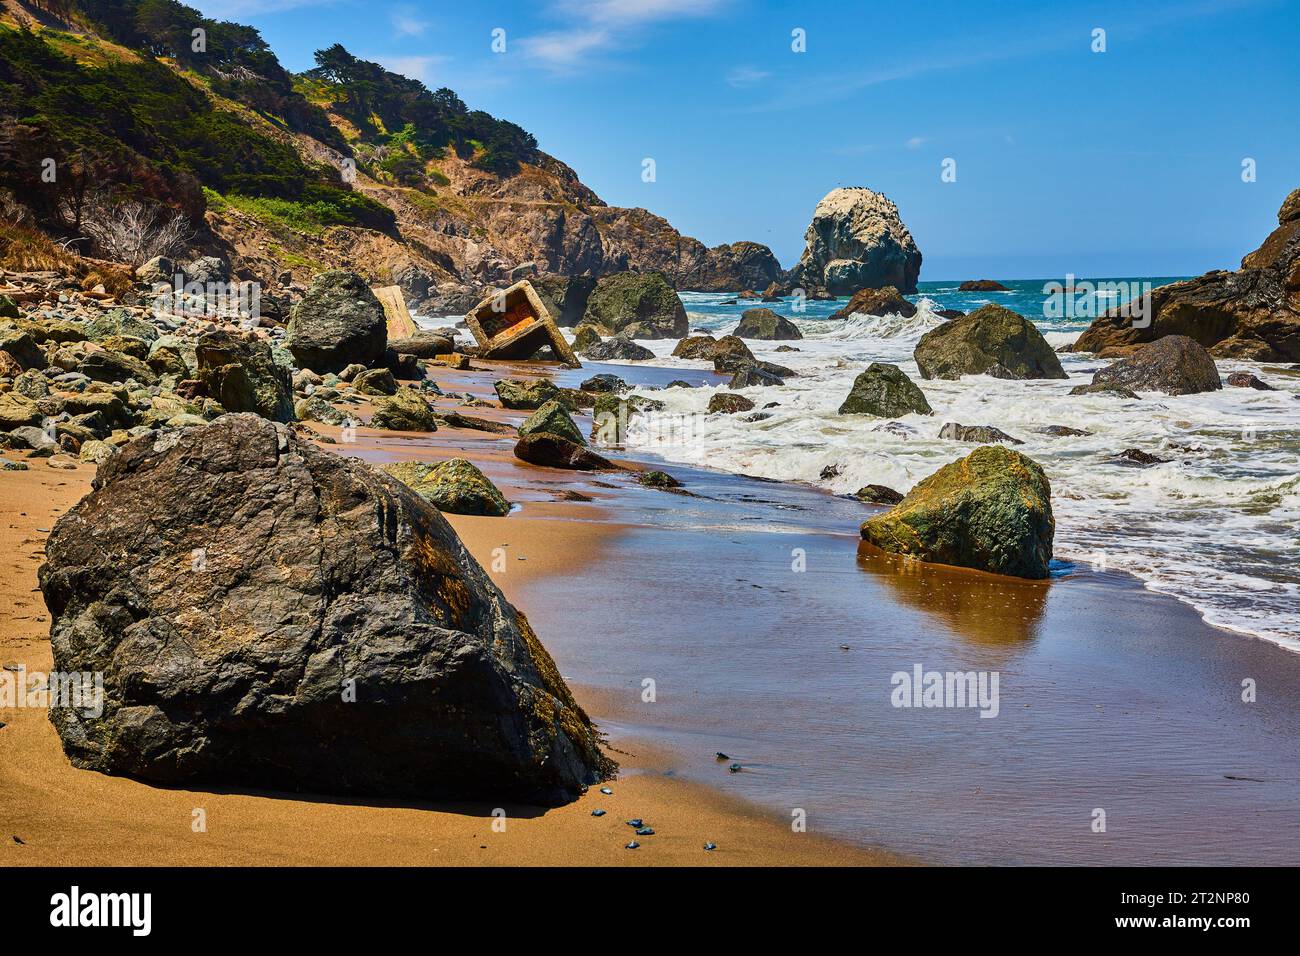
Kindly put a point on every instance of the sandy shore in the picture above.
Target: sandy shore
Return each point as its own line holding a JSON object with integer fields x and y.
{"x": 54, "y": 814}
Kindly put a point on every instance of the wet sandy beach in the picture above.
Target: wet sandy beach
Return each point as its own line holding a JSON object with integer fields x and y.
{"x": 770, "y": 635}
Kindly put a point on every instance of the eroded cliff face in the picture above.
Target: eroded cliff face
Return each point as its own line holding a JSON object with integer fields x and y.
{"x": 1252, "y": 314}
{"x": 476, "y": 228}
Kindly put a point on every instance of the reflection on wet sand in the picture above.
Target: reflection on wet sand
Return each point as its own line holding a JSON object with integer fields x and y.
{"x": 985, "y": 609}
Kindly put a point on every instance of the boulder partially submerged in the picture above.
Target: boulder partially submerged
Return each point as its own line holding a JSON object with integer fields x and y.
{"x": 766, "y": 325}
{"x": 991, "y": 511}
{"x": 991, "y": 340}
{"x": 886, "y": 301}
{"x": 268, "y": 614}
{"x": 886, "y": 391}
{"x": 1175, "y": 364}
{"x": 641, "y": 305}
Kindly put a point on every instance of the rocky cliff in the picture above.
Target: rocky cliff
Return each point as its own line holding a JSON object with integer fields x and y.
{"x": 1252, "y": 314}
{"x": 344, "y": 166}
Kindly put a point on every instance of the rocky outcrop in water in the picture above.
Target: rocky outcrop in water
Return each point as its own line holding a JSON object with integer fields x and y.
{"x": 886, "y": 391}
{"x": 267, "y": 614}
{"x": 857, "y": 241}
{"x": 552, "y": 417}
{"x": 886, "y": 301}
{"x": 766, "y": 325}
{"x": 638, "y": 305}
{"x": 991, "y": 340}
{"x": 1253, "y": 313}
{"x": 991, "y": 510}
{"x": 1175, "y": 365}
{"x": 555, "y": 451}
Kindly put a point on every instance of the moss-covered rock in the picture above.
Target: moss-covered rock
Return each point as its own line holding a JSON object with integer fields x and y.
{"x": 886, "y": 391}
{"x": 525, "y": 393}
{"x": 375, "y": 381}
{"x": 552, "y": 417}
{"x": 407, "y": 411}
{"x": 103, "y": 365}
{"x": 642, "y": 303}
{"x": 455, "y": 486}
{"x": 611, "y": 413}
{"x": 244, "y": 376}
{"x": 17, "y": 410}
{"x": 766, "y": 324}
{"x": 314, "y": 409}
{"x": 990, "y": 340}
{"x": 991, "y": 510}
{"x": 585, "y": 337}
{"x": 20, "y": 346}
{"x": 120, "y": 322}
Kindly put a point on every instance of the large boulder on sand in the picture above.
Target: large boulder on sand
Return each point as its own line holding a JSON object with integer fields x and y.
{"x": 243, "y": 375}
{"x": 554, "y": 451}
{"x": 268, "y": 614}
{"x": 886, "y": 391}
{"x": 1251, "y": 314}
{"x": 641, "y": 305}
{"x": 766, "y": 324}
{"x": 455, "y": 486}
{"x": 991, "y": 340}
{"x": 553, "y": 418}
{"x": 337, "y": 323}
{"x": 991, "y": 510}
{"x": 856, "y": 240}
{"x": 565, "y": 297}
{"x": 1175, "y": 364}
{"x": 526, "y": 393}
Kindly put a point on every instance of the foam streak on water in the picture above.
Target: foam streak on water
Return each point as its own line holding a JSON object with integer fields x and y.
{"x": 1215, "y": 527}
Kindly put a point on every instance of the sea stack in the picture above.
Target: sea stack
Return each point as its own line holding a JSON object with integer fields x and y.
{"x": 857, "y": 240}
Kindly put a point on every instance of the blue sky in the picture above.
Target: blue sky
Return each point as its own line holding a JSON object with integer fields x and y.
{"x": 1116, "y": 163}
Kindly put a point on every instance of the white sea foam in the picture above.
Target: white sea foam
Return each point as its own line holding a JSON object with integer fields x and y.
{"x": 1215, "y": 527}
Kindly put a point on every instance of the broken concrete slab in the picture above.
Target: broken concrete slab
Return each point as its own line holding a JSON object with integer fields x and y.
{"x": 514, "y": 323}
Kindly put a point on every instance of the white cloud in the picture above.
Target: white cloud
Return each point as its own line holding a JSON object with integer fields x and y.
{"x": 406, "y": 23}
{"x": 563, "y": 49}
{"x": 416, "y": 67}
{"x": 916, "y": 142}
{"x": 743, "y": 76}
{"x": 605, "y": 25}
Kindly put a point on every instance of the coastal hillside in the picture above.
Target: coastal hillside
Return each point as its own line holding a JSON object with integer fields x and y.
{"x": 192, "y": 124}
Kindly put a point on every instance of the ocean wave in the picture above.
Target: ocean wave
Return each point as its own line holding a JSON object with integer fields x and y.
{"x": 1214, "y": 527}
